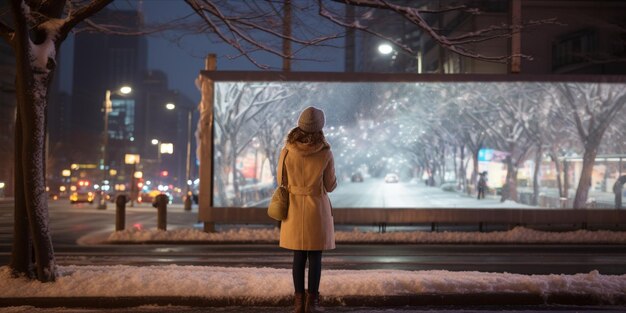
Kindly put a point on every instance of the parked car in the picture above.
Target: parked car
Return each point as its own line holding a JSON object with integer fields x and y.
{"x": 356, "y": 177}
{"x": 391, "y": 178}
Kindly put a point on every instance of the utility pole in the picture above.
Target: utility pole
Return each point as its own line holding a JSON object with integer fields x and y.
{"x": 349, "y": 52}
{"x": 516, "y": 36}
{"x": 287, "y": 35}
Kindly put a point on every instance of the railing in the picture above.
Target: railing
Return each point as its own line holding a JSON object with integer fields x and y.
{"x": 434, "y": 217}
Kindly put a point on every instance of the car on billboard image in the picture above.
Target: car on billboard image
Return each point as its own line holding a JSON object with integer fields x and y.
{"x": 356, "y": 177}
{"x": 391, "y": 178}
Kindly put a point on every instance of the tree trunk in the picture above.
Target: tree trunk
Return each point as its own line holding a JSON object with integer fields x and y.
{"x": 221, "y": 179}
{"x": 538, "y": 153}
{"x": 442, "y": 168}
{"x": 21, "y": 252}
{"x": 233, "y": 151}
{"x": 462, "y": 174}
{"x": 589, "y": 158}
{"x": 557, "y": 167}
{"x": 475, "y": 170}
{"x": 31, "y": 101}
{"x": 454, "y": 164}
{"x": 509, "y": 191}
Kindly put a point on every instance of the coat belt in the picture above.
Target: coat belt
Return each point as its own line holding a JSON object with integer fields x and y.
{"x": 305, "y": 190}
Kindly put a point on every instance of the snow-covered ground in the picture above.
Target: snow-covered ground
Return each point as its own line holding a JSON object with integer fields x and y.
{"x": 516, "y": 235}
{"x": 251, "y": 284}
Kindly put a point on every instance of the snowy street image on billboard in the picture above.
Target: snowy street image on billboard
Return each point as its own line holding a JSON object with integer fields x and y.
{"x": 430, "y": 144}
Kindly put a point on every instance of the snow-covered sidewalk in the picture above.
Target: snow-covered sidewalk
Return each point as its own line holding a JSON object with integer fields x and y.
{"x": 273, "y": 286}
{"x": 518, "y": 235}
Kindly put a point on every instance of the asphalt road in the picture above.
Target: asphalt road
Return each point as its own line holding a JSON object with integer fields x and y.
{"x": 375, "y": 193}
{"x": 71, "y": 222}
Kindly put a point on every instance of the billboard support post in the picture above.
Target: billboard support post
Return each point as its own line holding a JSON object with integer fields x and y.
{"x": 205, "y": 128}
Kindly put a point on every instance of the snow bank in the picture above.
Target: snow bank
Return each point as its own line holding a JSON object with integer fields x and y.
{"x": 252, "y": 283}
{"x": 516, "y": 235}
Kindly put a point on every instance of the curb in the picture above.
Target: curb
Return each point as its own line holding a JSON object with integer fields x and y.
{"x": 421, "y": 300}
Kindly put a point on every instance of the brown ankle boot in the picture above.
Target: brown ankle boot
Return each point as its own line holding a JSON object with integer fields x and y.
{"x": 298, "y": 303}
{"x": 313, "y": 303}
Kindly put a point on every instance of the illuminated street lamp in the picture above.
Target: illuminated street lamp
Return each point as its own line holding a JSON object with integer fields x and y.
{"x": 155, "y": 142}
{"x": 187, "y": 203}
{"x": 124, "y": 90}
{"x": 387, "y": 49}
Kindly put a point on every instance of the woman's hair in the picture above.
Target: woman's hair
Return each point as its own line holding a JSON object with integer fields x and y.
{"x": 298, "y": 135}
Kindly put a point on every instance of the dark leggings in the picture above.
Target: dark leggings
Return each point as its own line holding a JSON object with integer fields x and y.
{"x": 315, "y": 270}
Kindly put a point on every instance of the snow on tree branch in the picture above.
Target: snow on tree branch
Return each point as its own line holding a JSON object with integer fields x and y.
{"x": 251, "y": 30}
{"x": 458, "y": 44}
{"x": 84, "y": 12}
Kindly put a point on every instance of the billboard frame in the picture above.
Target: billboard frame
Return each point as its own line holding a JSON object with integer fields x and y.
{"x": 234, "y": 215}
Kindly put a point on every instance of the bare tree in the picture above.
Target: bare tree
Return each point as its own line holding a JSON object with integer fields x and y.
{"x": 35, "y": 31}
{"x": 591, "y": 108}
{"x": 236, "y": 106}
{"x": 509, "y": 109}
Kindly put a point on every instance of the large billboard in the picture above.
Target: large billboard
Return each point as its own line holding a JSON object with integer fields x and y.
{"x": 425, "y": 143}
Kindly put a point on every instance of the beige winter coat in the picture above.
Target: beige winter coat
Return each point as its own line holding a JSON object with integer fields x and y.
{"x": 310, "y": 174}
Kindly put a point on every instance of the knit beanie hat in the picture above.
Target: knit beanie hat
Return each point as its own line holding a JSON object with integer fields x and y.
{"x": 311, "y": 120}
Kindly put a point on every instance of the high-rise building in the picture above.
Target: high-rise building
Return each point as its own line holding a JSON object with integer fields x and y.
{"x": 105, "y": 61}
{"x": 165, "y": 121}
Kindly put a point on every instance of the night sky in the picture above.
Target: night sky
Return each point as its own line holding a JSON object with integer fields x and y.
{"x": 182, "y": 62}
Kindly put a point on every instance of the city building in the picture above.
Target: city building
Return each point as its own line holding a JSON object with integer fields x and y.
{"x": 587, "y": 37}
{"x": 106, "y": 62}
{"x": 103, "y": 64}
{"x": 165, "y": 122}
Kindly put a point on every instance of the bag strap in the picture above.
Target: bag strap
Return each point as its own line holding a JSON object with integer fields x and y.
{"x": 280, "y": 171}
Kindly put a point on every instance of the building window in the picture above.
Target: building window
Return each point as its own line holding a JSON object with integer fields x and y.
{"x": 574, "y": 48}
{"x": 122, "y": 119}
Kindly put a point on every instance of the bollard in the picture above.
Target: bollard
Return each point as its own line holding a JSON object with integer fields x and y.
{"x": 120, "y": 212}
{"x": 187, "y": 202}
{"x": 160, "y": 202}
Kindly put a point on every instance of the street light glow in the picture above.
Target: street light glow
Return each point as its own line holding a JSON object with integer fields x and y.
{"x": 126, "y": 90}
{"x": 155, "y": 142}
{"x": 170, "y": 106}
{"x": 385, "y": 48}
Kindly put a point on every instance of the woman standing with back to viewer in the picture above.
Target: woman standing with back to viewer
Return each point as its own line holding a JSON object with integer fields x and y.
{"x": 308, "y": 228}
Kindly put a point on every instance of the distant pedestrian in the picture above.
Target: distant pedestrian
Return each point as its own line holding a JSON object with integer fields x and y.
{"x": 482, "y": 185}
{"x": 309, "y": 227}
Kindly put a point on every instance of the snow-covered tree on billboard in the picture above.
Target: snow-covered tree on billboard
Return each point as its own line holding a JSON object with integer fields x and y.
{"x": 552, "y": 136}
{"x": 473, "y": 132}
{"x": 509, "y": 108}
{"x": 237, "y": 108}
{"x": 591, "y": 108}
